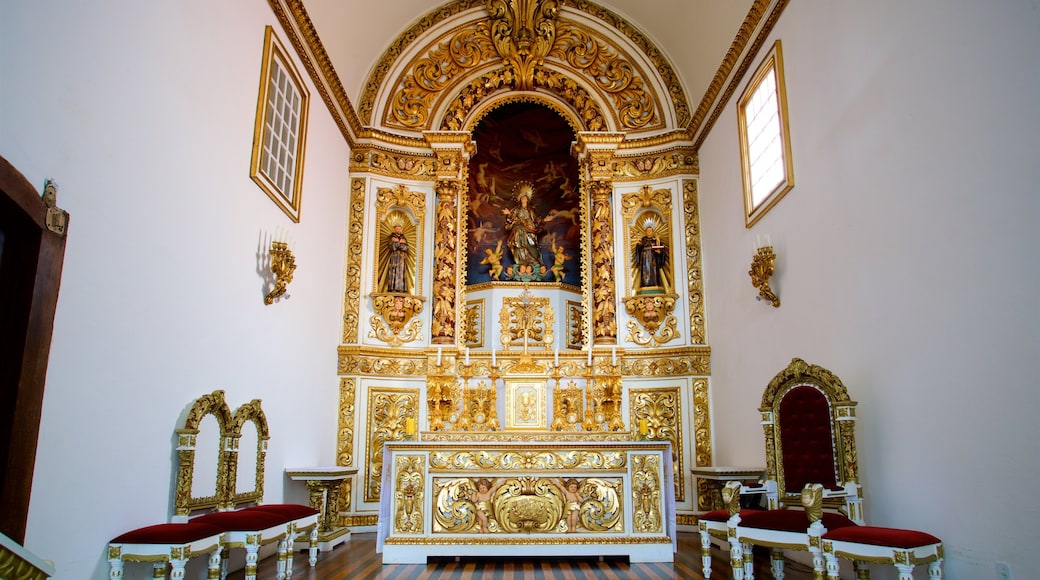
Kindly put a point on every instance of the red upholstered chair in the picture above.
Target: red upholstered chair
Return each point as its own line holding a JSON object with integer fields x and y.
{"x": 809, "y": 425}
{"x": 716, "y": 523}
{"x": 904, "y": 549}
{"x": 249, "y": 529}
{"x": 300, "y": 519}
{"x": 166, "y": 544}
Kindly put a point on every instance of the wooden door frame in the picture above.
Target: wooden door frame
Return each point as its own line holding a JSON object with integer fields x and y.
{"x": 30, "y": 276}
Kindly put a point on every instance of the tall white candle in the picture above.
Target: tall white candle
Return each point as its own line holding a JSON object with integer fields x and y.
{"x": 438, "y": 356}
{"x": 467, "y": 355}
{"x": 492, "y": 356}
{"x": 613, "y": 356}
{"x": 556, "y": 357}
{"x": 590, "y": 354}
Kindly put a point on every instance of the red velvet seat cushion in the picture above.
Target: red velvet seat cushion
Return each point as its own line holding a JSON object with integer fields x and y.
{"x": 723, "y": 515}
{"x": 804, "y": 418}
{"x": 289, "y": 511}
{"x": 791, "y": 520}
{"x": 168, "y": 534}
{"x": 876, "y": 536}
{"x": 241, "y": 520}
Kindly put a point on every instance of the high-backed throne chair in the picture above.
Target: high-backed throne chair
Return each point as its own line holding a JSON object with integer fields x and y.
{"x": 812, "y": 490}
{"x": 809, "y": 425}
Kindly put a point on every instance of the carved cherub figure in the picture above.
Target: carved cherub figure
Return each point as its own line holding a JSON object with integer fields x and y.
{"x": 493, "y": 258}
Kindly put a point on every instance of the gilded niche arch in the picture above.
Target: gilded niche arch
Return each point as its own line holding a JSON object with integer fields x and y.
{"x": 457, "y": 57}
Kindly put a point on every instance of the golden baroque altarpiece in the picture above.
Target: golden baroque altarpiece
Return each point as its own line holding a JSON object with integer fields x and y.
{"x": 518, "y": 358}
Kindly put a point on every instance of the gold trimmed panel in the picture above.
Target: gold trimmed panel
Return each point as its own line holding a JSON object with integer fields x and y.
{"x": 582, "y": 539}
{"x": 388, "y": 408}
{"x": 345, "y": 439}
{"x": 352, "y": 284}
{"x": 526, "y": 460}
{"x": 662, "y": 409}
{"x": 695, "y": 280}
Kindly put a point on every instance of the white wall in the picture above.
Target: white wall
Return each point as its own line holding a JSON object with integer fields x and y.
{"x": 143, "y": 113}
{"x": 906, "y": 261}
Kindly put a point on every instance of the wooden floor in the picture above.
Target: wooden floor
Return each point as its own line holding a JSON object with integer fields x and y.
{"x": 358, "y": 560}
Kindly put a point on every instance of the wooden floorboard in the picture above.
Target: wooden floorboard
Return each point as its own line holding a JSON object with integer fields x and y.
{"x": 358, "y": 560}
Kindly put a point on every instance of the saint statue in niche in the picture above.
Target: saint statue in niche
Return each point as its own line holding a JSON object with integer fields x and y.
{"x": 396, "y": 261}
{"x": 650, "y": 258}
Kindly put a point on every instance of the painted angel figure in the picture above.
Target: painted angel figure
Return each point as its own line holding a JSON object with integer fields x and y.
{"x": 493, "y": 259}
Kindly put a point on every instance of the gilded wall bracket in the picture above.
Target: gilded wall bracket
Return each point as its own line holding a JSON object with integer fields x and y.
{"x": 654, "y": 323}
{"x": 395, "y": 320}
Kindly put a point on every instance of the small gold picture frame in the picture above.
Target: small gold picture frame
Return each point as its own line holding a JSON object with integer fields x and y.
{"x": 525, "y": 405}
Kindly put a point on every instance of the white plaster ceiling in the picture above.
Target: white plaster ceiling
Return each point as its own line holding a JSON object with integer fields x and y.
{"x": 694, "y": 34}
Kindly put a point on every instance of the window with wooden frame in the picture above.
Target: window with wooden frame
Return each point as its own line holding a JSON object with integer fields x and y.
{"x": 281, "y": 128}
{"x": 765, "y": 142}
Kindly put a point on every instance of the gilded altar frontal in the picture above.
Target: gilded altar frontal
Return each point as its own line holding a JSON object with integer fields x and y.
{"x": 524, "y": 271}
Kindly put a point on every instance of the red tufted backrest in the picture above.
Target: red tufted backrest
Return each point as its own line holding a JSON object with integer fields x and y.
{"x": 806, "y": 439}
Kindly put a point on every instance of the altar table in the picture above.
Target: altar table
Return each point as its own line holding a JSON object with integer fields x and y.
{"x": 537, "y": 498}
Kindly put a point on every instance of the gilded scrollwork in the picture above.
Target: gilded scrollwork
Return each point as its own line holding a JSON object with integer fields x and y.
{"x": 702, "y": 450}
{"x": 212, "y": 404}
{"x": 454, "y": 510}
{"x": 473, "y": 324}
{"x": 409, "y": 491}
{"x": 393, "y": 164}
{"x": 695, "y": 288}
{"x": 445, "y": 256}
{"x": 379, "y": 362}
{"x": 545, "y": 460}
{"x": 388, "y": 410}
{"x": 646, "y": 493}
{"x": 395, "y": 322}
{"x": 352, "y": 293}
{"x": 654, "y": 323}
{"x": 585, "y": 51}
{"x": 527, "y": 504}
{"x": 655, "y": 165}
{"x": 672, "y": 363}
{"x": 526, "y": 320}
{"x": 604, "y": 316}
{"x": 345, "y": 446}
{"x": 523, "y": 34}
{"x": 661, "y": 408}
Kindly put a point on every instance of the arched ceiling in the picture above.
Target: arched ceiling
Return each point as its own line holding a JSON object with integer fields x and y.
{"x": 702, "y": 42}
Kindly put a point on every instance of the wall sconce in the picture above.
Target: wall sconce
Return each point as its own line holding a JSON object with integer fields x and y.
{"x": 283, "y": 264}
{"x": 761, "y": 271}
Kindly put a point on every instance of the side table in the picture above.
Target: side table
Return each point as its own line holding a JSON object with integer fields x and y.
{"x": 323, "y": 487}
{"x": 716, "y": 478}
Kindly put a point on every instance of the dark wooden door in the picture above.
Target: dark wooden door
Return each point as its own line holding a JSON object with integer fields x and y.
{"x": 31, "y": 258}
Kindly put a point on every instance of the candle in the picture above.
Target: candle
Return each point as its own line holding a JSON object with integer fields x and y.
{"x": 467, "y": 355}
{"x": 590, "y": 354}
{"x": 613, "y": 356}
{"x": 644, "y": 428}
{"x": 556, "y": 357}
{"x": 492, "y": 356}
{"x": 438, "y": 356}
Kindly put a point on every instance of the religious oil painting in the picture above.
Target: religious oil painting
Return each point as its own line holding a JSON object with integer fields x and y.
{"x": 523, "y": 219}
